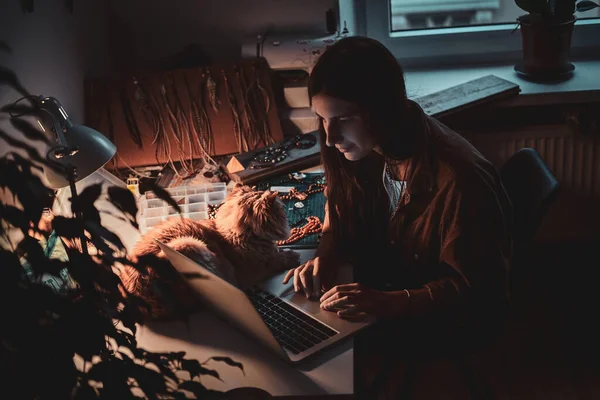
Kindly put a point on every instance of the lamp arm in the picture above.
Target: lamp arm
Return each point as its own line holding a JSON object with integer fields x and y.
{"x": 60, "y": 119}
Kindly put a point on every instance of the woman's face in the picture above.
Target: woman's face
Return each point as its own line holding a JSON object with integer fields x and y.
{"x": 345, "y": 126}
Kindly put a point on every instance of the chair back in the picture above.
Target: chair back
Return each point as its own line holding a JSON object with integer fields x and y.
{"x": 532, "y": 188}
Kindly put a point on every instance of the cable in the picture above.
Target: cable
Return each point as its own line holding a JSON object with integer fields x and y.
{"x": 16, "y": 102}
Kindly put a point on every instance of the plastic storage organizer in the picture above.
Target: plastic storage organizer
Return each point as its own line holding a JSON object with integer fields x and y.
{"x": 193, "y": 201}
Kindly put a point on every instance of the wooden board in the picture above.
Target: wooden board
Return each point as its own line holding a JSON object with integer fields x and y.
{"x": 469, "y": 94}
{"x": 108, "y": 94}
{"x": 297, "y": 159}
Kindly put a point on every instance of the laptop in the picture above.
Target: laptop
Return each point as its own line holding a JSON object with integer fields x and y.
{"x": 274, "y": 315}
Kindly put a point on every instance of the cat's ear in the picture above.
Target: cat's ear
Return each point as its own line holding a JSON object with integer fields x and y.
{"x": 238, "y": 187}
{"x": 269, "y": 195}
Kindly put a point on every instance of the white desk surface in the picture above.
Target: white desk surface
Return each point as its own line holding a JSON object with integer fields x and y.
{"x": 330, "y": 372}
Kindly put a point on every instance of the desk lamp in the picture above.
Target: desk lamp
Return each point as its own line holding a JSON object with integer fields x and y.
{"x": 80, "y": 149}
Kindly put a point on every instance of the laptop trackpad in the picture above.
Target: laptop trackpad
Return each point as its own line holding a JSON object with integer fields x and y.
{"x": 275, "y": 286}
{"x": 300, "y": 300}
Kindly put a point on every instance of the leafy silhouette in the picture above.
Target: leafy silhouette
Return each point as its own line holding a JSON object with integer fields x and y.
{"x": 149, "y": 186}
{"x": 229, "y": 361}
{"x": 29, "y": 130}
{"x": 8, "y": 77}
{"x": 77, "y": 340}
{"x": 124, "y": 200}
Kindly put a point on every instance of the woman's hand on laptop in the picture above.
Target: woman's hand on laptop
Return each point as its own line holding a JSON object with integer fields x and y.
{"x": 313, "y": 276}
{"x": 355, "y": 301}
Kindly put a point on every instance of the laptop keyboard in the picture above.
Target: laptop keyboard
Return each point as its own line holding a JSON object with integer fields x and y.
{"x": 292, "y": 328}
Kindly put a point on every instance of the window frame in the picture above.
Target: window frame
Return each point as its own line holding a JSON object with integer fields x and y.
{"x": 465, "y": 45}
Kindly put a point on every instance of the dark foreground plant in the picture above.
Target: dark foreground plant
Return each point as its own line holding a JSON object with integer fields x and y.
{"x": 44, "y": 331}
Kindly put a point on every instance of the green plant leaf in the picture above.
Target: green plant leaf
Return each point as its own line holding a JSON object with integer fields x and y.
{"x": 14, "y": 216}
{"x": 99, "y": 232}
{"x": 32, "y": 153}
{"x": 84, "y": 203}
{"x": 66, "y": 227}
{"x": 48, "y": 328}
{"x": 151, "y": 382}
{"x": 586, "y": 5}
{"x": 124, "y": 200}
{"x": 85, "y": 392}
{"x": 18, "y": 109}
{"x": 534, "y": 6}
{"x": 562, "y": 9}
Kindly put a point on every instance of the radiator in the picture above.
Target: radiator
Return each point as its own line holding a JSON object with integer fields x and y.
{"x": 574, "y": 160}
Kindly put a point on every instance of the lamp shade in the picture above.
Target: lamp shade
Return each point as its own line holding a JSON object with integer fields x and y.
{"x": 94, "y": 151}
{"x": 74, "y": 146}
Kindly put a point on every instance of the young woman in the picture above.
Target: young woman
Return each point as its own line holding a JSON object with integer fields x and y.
{"x": 420, "y": 214}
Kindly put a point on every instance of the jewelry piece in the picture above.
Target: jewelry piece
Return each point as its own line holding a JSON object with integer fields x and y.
{"x": 313, "y": 226}
{"x": 258, "y": 102}
{"x": 273, "y": 155}
{"x": 209, "y": 138}
{"x": 296, "y": 223}
{"x": 199, "y": 125}
{"x": 298, "y": 176}
{"x": 249, "y": 140}
{"x": 237, "y": 122}
{"x": 211, "y": 87}
{"x": 184, "y": 128}
{"x": 295, "y": 194}
{"x": 174, "y": 125}
{"x": 212, "y": 210}
{"x": 299, "y": 204}
{"x": 132, "y": 127}
{"x": 266, "y": 105}
{"x": 153, "y": 116}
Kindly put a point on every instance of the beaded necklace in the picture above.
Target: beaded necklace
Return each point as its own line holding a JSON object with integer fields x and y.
{"x": 313, "y": 225}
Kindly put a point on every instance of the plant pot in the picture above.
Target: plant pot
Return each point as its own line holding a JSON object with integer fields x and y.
{"x": 546, "y": 46}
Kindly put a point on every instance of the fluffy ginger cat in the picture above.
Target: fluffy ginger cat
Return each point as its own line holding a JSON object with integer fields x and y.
{"x": 238, "y": 245}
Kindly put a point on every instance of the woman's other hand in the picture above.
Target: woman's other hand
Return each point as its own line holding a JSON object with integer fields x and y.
{"x": 313, "y": 276}
{"x": 356, "y": 301}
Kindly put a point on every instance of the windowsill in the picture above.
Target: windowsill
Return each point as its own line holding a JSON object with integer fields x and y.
{"x": 583, "y": 86}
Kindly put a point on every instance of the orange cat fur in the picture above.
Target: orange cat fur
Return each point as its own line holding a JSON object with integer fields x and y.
{"x": 238, "y": 245}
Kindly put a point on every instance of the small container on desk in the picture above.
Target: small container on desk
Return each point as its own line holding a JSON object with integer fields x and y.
{"x": 193, "y": 201}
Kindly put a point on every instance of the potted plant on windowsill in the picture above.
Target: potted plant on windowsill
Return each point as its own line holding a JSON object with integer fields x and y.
{"x": 546, "y": 34}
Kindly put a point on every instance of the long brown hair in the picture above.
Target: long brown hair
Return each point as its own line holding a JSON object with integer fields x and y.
{"x": 362, "y": 71}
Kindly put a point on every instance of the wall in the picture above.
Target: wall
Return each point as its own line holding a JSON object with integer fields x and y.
{"x": 52, "y": 51}
{"x": 153, "y": 29}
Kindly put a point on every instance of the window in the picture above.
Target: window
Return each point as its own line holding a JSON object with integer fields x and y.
{"x": 433, "y": 32}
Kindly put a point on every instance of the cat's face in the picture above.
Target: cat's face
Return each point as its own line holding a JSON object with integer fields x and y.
{"x": 262, "y": 213}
